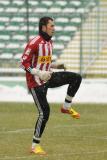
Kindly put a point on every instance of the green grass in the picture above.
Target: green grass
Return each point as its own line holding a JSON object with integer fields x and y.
{"x": 64, "y": 138}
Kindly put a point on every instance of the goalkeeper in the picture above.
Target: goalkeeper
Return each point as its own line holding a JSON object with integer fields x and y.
{"x": 37, "y": 62}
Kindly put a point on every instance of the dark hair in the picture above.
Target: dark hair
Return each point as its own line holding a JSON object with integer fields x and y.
{"x": 44, "y": 21}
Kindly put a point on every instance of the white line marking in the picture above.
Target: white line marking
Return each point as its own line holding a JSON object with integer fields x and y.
{"x": 31, "y": 129}
{"x": 16, "y": 131}
{"x": 53, "y": 155}
{"x": 79, "y": 125}
{"x": 55, "y": 127}
{"x": 11, "y": 158}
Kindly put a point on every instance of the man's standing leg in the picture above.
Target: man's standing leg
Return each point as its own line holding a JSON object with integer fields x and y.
{"x": 39, "y": 96}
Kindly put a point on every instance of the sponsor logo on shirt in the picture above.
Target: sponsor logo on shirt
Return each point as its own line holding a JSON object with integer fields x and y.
{"x": 44, "y": 59}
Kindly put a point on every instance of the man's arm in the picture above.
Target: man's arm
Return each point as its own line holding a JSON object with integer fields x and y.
{"x": 30, "y": 50}
{"x": 26, "y": 59}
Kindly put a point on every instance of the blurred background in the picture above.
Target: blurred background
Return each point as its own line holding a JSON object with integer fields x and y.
{"x": 80, "y": 42}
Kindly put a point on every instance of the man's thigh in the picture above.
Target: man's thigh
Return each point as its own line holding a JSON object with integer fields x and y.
{"x": 39, "y": 95}
{"x": 61, "y": 78}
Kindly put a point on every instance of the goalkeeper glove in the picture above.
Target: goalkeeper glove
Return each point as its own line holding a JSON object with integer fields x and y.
{"x": 43, "y": 75}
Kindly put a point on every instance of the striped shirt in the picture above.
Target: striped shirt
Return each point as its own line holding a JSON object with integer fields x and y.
{"x": 37, "y": 54}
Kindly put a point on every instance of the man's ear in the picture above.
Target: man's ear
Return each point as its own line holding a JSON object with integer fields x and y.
{"x": 44, "y": 28}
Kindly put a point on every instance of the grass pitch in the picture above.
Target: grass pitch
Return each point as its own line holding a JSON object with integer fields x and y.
{"x": 65, "y": 138}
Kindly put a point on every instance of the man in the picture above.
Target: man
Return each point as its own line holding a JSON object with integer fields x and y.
{"x": 37, "y": 61}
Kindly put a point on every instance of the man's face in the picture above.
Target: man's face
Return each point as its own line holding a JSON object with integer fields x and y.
{"x": 49, "y": 28}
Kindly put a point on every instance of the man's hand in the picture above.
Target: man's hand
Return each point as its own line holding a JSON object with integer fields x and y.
{"x": 57, "y": 65}
{"x": 43, "y": 75}
{"x": 61, "y": 66}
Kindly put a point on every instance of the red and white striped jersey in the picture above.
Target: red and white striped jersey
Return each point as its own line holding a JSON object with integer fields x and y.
{"x": 37, "y": 54}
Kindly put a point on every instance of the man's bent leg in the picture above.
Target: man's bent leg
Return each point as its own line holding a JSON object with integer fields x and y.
{"x": 74, "y": 80}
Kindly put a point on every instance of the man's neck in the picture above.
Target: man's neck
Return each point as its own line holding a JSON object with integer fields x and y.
{"x": 45, "y": 36}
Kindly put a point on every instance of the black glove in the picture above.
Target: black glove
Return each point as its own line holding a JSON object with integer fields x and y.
{"x": 61, "y": 66}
